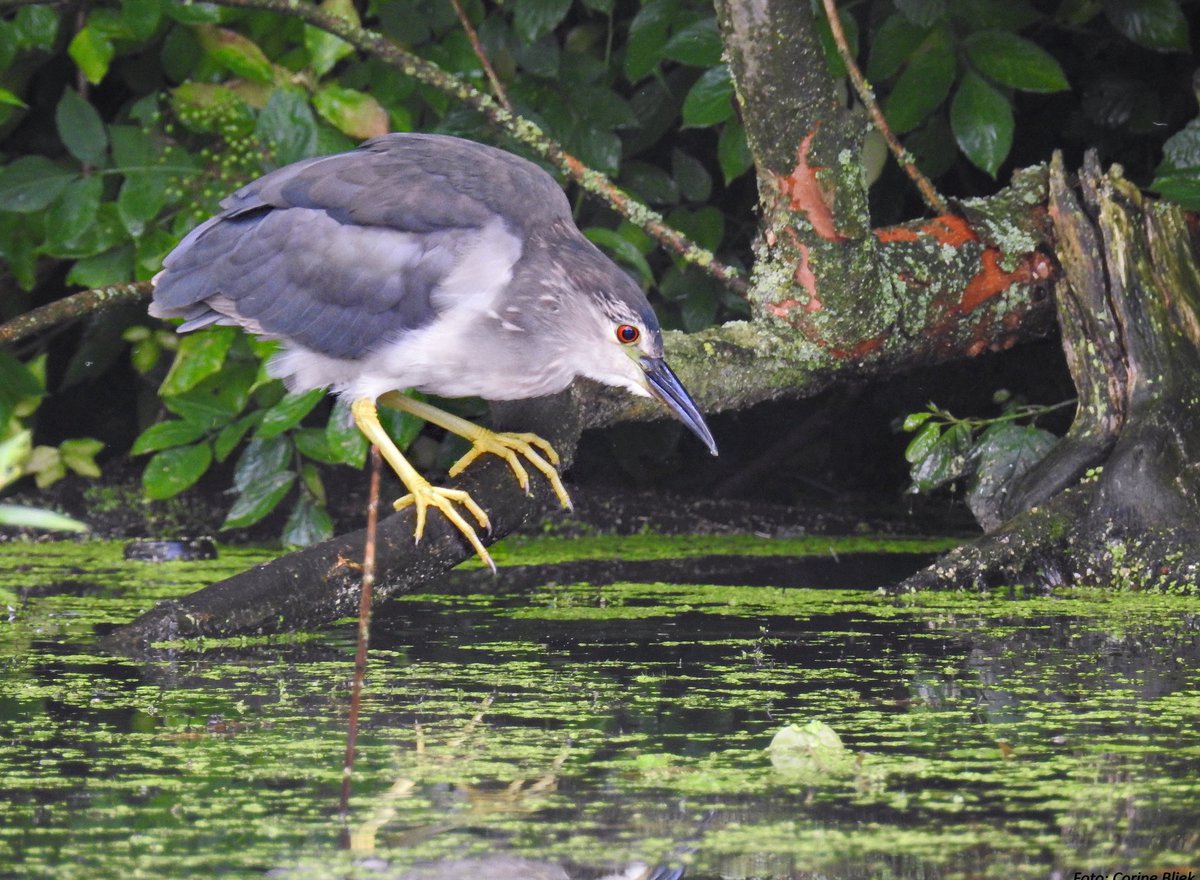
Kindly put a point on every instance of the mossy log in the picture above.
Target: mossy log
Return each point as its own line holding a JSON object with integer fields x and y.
{"x": 1117, "y": 500}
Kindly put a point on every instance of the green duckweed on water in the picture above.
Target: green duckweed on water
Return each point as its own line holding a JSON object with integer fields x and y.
{"x": 600, "y": 724}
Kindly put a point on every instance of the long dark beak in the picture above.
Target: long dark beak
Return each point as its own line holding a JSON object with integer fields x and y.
{"x": 666, "y": 386}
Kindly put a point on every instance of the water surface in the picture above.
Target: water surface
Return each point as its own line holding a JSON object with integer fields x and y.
{"x": 596, "y": 721}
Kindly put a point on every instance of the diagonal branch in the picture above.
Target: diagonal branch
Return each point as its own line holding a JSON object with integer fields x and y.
{"x": 473, "y": 36}
{"x": 862, "y": 88}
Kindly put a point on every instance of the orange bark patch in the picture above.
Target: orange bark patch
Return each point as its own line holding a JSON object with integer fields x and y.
{"x": 783, "y": 308}
{"x": 804, "y": 194}
{"x": 805, "y": 278}
{"x": 895, "y": 233}
{"x": 991, "y": 280}
{"x": 951, "y": 230}
{"x": 859, "y": 349}
{"x": 946, "y": 229}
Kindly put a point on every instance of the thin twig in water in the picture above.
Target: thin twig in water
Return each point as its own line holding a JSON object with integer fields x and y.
{"x": 930, "y": 195}
{"x": 364, "y": 631}
{"x": 473, "y": 36}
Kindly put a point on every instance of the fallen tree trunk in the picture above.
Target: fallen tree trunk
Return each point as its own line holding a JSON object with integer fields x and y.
{"x": 1118, "y": 499}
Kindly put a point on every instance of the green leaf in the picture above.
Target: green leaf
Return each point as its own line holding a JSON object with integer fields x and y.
{"x": 313, "y": 484}
{"x": 693, "y": 178}
{"x": 92, "y": 52}
{"x": 288, "y": 413}
{"x": 111, "y": 267}
{"x": 922, "y": 13}
{"x": 308, "y": 524}
{"x": 7, "y": 97}
{"x": 604, "y": 107}
{"x": 982, "y": 120}
{"x": 833, "y": 58}
{"x": 351, "y": 112}
{"x": 23, "y": 517}
{"x": 200, "y": 355}
{"x": 217, "y": 400}
{"x": 140, "y": 18}
{"x": 346, "y": 442}
{"x": 231, "y": 435}
{"x": 236, "y": 53}
{"x": 166, "y": 435}
{"x": 705, "y": 226}
{"x": 1014, "y": 61}
{"x": 895, "y": 42}
{"x": 710, "y": 99}
{"x": 324, "y": 49}
{"x": 141, "y": 198}
{"x": 647, "y": 38}
{"x": 699, "y": 44}
{"x": 649, "y": 183}
{"x": 918, "y": 448}
{"x": 79, "y": 454}
{"x": 14, "y": 453}
{"x": 533, "y": 19}
{"x": 313, "y": 443}
{"x": 31, "y": 183}
{"x": 37, "y": 27}
{"x": 621, "y": 249}
{"x": 945, "y": 460}
{"x": 95, "y": 238}
{"x": 171, "y": 471}
{"x": 1181, "y": 186}
{"x": 260, "y": 459}
{"x": 733, "y": 152}
{"x": 189, "y": 12}
{"x": 75, "y": 210}
{"x": 1004, "y": 452}
{"x": 915, "y": 420}
{"x": 16, "y": 381}
{"x": 699, "y": 308}
{"x": 923, "y": 85}
{"x": 258, "y": 499}
{"x": 933, "y": 146}
{"x": 1155, "y": 24}
{"x": 288, "y": 125}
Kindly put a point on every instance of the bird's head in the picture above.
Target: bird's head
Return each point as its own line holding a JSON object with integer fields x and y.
{"x": 614, "y": 336}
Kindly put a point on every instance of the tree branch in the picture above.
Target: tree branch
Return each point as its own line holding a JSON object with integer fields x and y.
{"x": 477, "y": 46}
{"x": 70, "y": 307}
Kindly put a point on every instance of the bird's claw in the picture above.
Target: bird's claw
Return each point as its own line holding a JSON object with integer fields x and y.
{"x": 508, "y": 446}
{"x": 444, "y": 500}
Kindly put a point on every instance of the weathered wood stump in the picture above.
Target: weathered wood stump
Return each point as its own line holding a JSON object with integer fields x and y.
{"x": 1116, "y": 500}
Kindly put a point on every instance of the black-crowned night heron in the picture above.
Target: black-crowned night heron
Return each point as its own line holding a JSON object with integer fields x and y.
{"x": 427, "y": 262}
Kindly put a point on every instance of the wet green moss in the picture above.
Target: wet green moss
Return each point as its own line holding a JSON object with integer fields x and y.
{"x": 981, "y": 736}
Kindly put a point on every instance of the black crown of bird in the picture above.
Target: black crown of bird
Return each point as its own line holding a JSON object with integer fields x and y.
{"x": 426, "y": 262}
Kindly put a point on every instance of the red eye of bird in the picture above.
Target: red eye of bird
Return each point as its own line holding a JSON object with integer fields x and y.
{"x": 628, "y": 334}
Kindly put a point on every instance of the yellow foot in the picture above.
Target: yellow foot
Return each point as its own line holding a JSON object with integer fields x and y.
{"x": 422, "y": 497}
{"x": 509, "y": 446}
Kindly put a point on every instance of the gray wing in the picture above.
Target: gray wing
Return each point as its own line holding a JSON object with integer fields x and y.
{"x": 343, "y": 253}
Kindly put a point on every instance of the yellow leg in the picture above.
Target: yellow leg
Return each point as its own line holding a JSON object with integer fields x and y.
{"x": 505, "y": 445}
{"x": 421, "y": 495}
